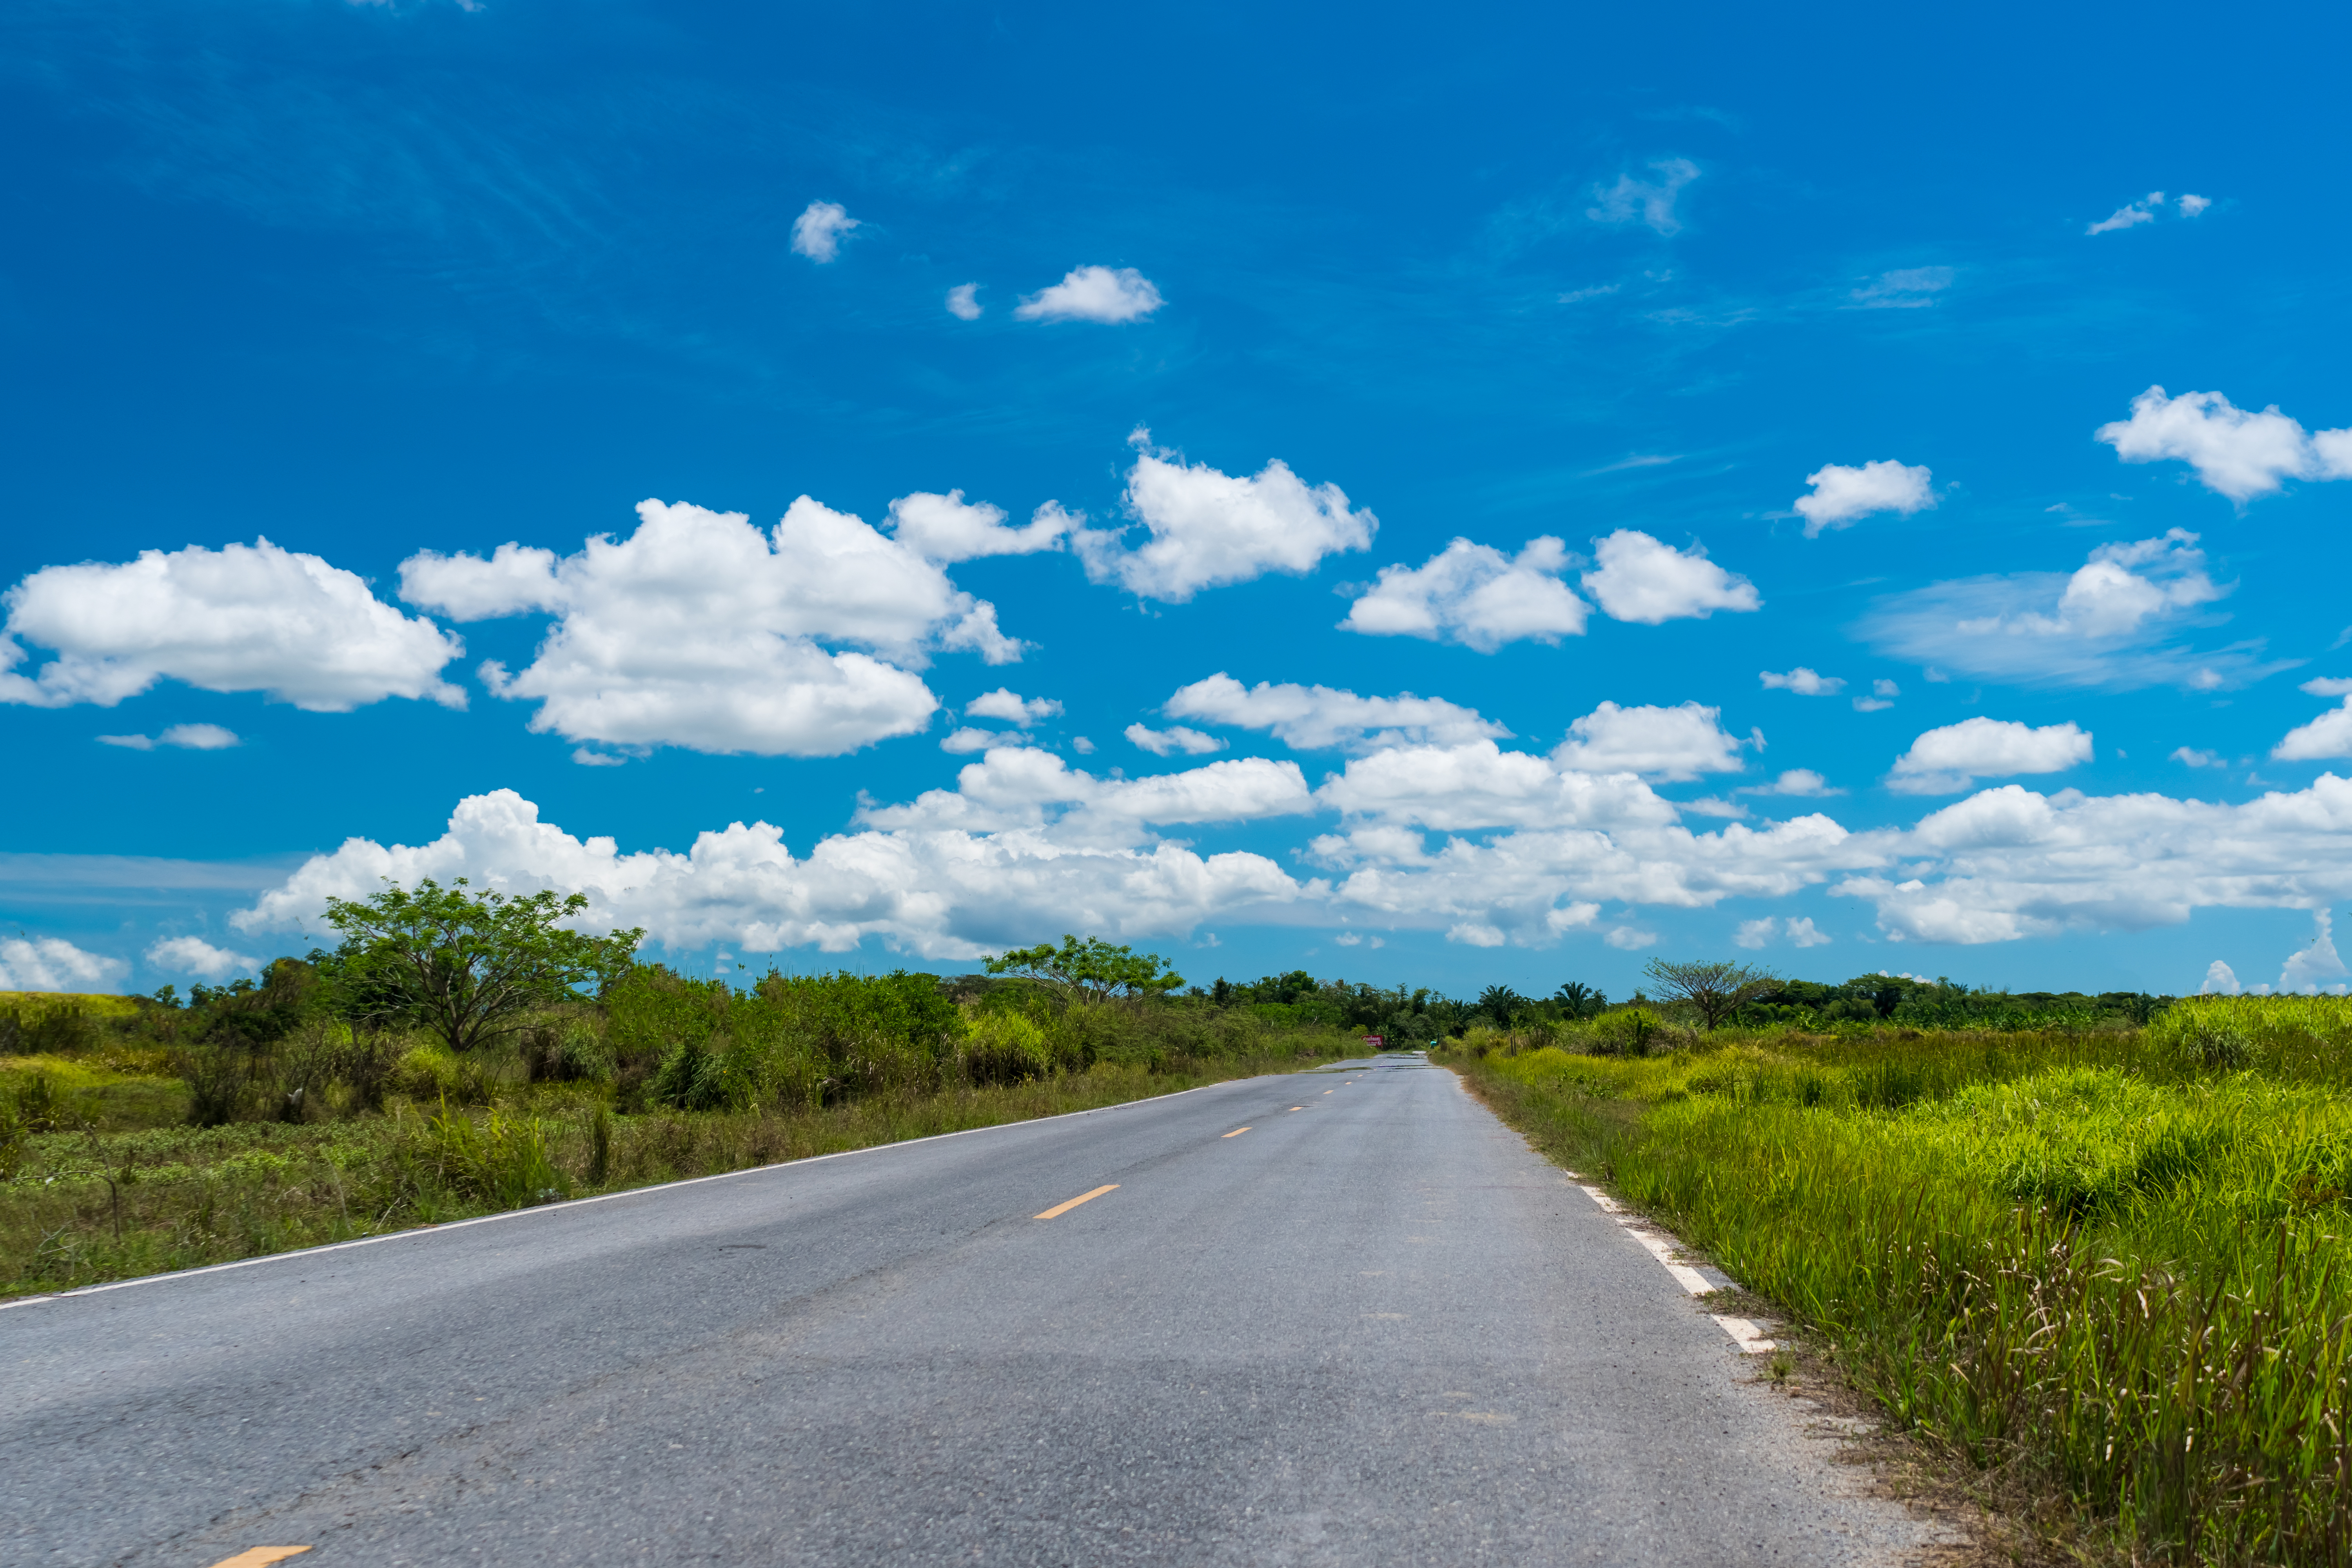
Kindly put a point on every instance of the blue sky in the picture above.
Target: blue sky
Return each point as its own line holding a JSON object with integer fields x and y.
{"x": 1272, "y": 309}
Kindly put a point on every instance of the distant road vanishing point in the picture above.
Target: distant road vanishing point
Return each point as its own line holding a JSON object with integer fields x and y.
{"x": 1343, "y": 1317}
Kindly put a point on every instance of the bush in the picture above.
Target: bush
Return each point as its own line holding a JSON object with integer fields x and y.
{"x": 1006, "y": 1047}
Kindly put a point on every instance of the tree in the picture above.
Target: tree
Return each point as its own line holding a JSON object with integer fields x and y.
{"x": 1093, "y": 968}
{"x": 1501, "y": 1003}
{"x": 469, "y": 967}
{"x": 1579, "y": 1000}
{"x": 1715, "y": 987}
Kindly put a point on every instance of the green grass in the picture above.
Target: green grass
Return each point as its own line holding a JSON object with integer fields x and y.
{"x": 84, "y": 1207}
{"x": 2088, "y": 1254}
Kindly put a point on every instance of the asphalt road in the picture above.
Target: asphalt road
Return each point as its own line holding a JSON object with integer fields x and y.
{"x": 1375, "y": 1329}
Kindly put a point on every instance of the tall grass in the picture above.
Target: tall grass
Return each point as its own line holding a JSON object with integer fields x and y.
{"x": 2090, "y": 1255}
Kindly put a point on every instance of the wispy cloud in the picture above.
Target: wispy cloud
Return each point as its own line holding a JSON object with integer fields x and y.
{"x": 1650, "y": 201}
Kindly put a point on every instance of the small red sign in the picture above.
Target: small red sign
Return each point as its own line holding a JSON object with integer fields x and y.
{"x": 1376, "y": 1039}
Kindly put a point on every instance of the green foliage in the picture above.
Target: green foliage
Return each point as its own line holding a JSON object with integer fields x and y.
{"x": 467, "y": 967}
{"x": 2092, "y": 1254}
{"x": 1714, "y": 988}
{"x": 1094, "y": 969}
{"x": 1006, "y": 1047}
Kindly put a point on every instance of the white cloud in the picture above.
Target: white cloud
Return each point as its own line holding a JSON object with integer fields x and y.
{"x": 817, "y": 233}
{"x": 1904, "y": 288}
{"x": 1803, "y": 783}
{"x": 1081, "y": 745}
{"x": 2329, "y": 735}
{"x": 2190, "y": 757}
{"x": 242, "y": 618}
{"x": 1641, "y": 579}
{"x": 1093, "y": 294}
{"x": 2236, "y": 452}
{"x": 1801, "y": 932}
{"x": 1318, "y": 718}
{"x": 2191, "y": 205}
{"x": 698, "y": 630}
{"x": 1208, "y": 528}
{"x": 193, "y": 956}
{"x": 970, "y": 739}
{"x": 963, "y": 302}
{"x": 1011, "y": 707}
{"x": 1804, "y": 933}
{"x": 1474, "y": 594}
{"x": 1024, "y": 846}
{"x": 1842, "y": 495}
{"x": 949, "y": 529}
{"x": 1477, "y": 935}
{"x": 2308, "y": 967}
{"x": 1650, "y": 201}
{"x": 1804, "y": 682}
{"x": 588, "y": 759}
{"x": 1175, "y": 738}
{"x": 193, "y": 737}
{"x": 2130, "y": 215}
{"x": 2221, "y": 980}
{"x": 2327, "y": 685}
{"x": 1629, "y": 939}
{"x": 2106, "y": 624}
{"x": 1946, "y": 759}
{"x": 1674, "y": 744}
{"x": 1756, "y": 933}
{"x": 2008, "y": 863}
{"x": 52, "y": 963}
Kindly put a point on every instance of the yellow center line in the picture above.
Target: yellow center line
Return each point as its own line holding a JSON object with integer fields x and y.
{"x": 260, "y": 1556}
{"x": 1297, "y": 1108}
{"x": 1234, "y": 1133}
{"x": 1060, "y": 1209}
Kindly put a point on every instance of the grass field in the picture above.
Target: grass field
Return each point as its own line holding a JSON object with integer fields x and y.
{"x": 2116, "y": 1258}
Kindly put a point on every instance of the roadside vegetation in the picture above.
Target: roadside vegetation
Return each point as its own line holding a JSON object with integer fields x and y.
{"x": 2098, "y": 1243}
{"x": 460, "y": 1055}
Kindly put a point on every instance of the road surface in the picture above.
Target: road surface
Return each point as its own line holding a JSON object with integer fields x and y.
{"x": 1372, "y": 1329}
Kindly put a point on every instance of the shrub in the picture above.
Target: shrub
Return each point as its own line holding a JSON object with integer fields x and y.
{"x": 1002, "y": 1047}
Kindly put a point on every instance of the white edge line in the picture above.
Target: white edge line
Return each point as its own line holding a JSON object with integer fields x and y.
{"x": 422, "y": 1230}
{"x": 1747, "y": 1335}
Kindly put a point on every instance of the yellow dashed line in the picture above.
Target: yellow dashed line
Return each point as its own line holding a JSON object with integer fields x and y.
{"x": 1060, "y": 1209}
{"x": 1234, "y": 1133}
{"x": 260, "y": 1556}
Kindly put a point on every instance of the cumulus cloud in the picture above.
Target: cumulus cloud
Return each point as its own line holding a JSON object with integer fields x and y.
{"x": 1111, "y": 296}
{"x": 1318, "y": 718}
{"x": 1904, "y": 288}
{"x": 193, "y": 956}
{"x": 2329, "y": 735}
{"x": 2309, "y": 968}
{"x": 1801, "y": 932}
{"x": 1208, "y": 529}
{"x": 1023, "y": 845}
{"x": 1948, "y": 760}
{"x": 1672, "y": 744}
{"x": 1646, "y": 200}
{"x": 1804, "y": 682}
{"x": 2236, "y": 452}
{"x": 817, "y": 233}
{"x": 2110, "y": 622}
{"x": 1629, "y": 939}
{"x": 53, "y": 964}
{"x": 1013, "y": 708}
{"x": 192, "y": 737}
{"x": 1175, "y": 738}
{"x": 1475, "y": 933}
{"x": 2009, "y": 863}
{"x": 1474, "y": 594}
{"x": 971, "y": 739}
{"x": 242, "y": 618}
{"x": 698, "y": 630}
{"x": 1803, "y": 783}
{"x": 1842, "y": 495}
{"x": 950, "y": 529}
{"x": 2221, "y": 980}
{"x": 1641, "y": 579}
{"x": 2148, "y": 209}
{"x": 964, "y": 302}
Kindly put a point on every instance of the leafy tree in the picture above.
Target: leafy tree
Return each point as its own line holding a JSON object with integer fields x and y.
{"x": 469, "y": 966}
{"x": 1579, "y": 1000}
{"x": 1717, "y": 988}
{"x": 1093, "y": 968}
{"x": 1501, "y": 1003}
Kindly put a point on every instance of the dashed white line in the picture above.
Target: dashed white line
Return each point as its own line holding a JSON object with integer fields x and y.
{"x": 1745, "y": 1333}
